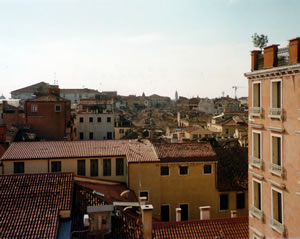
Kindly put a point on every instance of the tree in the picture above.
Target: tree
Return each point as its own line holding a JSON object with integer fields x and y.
{"x": 259, "y": 40}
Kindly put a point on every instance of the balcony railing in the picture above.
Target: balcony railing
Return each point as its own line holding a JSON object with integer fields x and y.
{"x": 276, "y": 169}
{"x": 255, "y": 111}
{"x": 256, "y": 212}
{"x": 275, "y": 112}
{"x": 277, "y": 226}
{"x": 256, "y": 162}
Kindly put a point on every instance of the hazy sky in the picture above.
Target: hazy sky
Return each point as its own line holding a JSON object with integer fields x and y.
{"x": 133, "y": 46}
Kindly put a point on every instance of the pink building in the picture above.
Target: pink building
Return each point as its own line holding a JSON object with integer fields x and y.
{"x": 274, "y": 137}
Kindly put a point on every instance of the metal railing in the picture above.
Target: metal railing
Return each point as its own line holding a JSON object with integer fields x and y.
{"x": 275, "y": 112}
{"x": 255, "y": 161}
{"x": 256, "y": 111}
{"x": 283, "y": 56}
{"x": 275, "y": 168}
{"x": 277, "y": 226}
{"x": 256, "y": 212}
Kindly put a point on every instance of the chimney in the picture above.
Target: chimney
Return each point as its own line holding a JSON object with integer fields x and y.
{"x": 178, "y": 214}
{"x": 204, "y": 212}
{"x": 143, "y": 200}
{"x": 147, "y": 221}
{"x": 294, "y": 51}
{"x": 270, "y": 56}
{"x": 54, "y": 91}
{"x": 233, "y": 213}
{"x": 254, "y": 59}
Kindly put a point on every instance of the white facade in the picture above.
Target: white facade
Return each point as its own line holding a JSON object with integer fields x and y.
{"x": 92, "y": 126}
{"x": 75, "y": 95}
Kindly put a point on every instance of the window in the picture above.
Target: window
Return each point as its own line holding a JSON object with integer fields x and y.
{"x": 121, "y": 131}
{"x": 183, "y": 170}
{"x": 99, "y": 119}
{"x": 165, "y": 213}
{"x": 256, "y": 104}
{"x": 106, "y": 167}
{"x": 256, "y": 149}
{"x": 226, "y": 131}
{"x": 276, "y": 158}
{"x": 91, "y": 119}
{"x": 240, "y": 200}
{"x": 57, "y": 108}
{"x": 81, "y": 136}
{"x": 108, "y": 119}
{"x": 195, "y": 136}
{"x": 277, "y": 206}
{"x": 109, "y": 135}
{"x": 145, "y": 194}
{"x": 207, "y": 169}
{"x": 91, "y": 135}
{"x": 18, "y": 167}
{"x": 224, "y": 200}
{"x": 34, "y": 108}
{"x": 56, "y": 166}
{"x": 81, "y": 167}
{"x": 257, "y": 195}
{"x": 81, "y": 119}
{"x": 164, "y": 170}
{"x": 119, "y": 166}
{"x": 94, "y": 167}
{"x": 184, "y": 212}
{"x": 276, "y": 99}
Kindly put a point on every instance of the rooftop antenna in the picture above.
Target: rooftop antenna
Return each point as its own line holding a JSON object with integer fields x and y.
{"x": 55, "y": 80}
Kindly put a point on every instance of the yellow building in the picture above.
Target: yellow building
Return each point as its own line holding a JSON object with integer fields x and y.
{"x": 168, "y": 175}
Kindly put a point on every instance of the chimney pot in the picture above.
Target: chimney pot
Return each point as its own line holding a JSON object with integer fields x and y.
{"x": 270, "y": 56}
{"x": 233, "y": 213}
{"x": 204, "y": 212}
{"x": 178, "y": 214}
{"x": 147, "y": 220}
{"x": 143, "y": 200}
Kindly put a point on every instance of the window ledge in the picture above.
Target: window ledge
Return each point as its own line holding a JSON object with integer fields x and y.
{"x": 277, "y": 226}
{"x": 256, "y": 213}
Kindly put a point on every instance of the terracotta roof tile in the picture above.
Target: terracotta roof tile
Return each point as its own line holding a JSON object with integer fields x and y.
{"x": 111, "y": 192}
{"x": 134, "y": 151}
{"x": 194, "y": 151}
{"x": 30, "y": 204}
{"x": 230, "y": 228}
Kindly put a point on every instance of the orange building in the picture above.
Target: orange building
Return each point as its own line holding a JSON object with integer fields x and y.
{"x": 274, "y": 134}
{"x": 49, "y": 116}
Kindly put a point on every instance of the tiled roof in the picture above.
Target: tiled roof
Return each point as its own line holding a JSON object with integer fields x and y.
{"x": 111, "y": 191}
{"x": 85, "y": 90}
{"x": 30, "y": 204}
{"x": 195, "y": 151}
{"x": 230, "y": 228}
{"x": 30, "y": 88}
{"x": 48, "y": 97}
{"x": 134, "y": 151}
{"x": 200, "y": 130}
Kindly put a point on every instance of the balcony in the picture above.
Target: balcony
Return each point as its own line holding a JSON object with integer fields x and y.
{"x": 256, "y": 212}
{"x": 275, "y": 113}
{"x": 277, "y": 226}
{"x": 255, "y": 111}
{"x": 275, "y": 169}
{"x": 256, "y": 162}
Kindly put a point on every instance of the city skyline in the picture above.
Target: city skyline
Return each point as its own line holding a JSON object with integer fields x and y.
{"x": 199, "y": 48}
